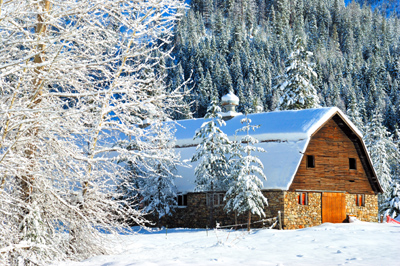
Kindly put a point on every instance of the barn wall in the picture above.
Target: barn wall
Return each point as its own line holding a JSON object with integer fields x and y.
{"x": 196, "y": 214}
{"x": 298, "y": 216}
{"x": 294, "y": 215}
{"x": 332, "y": 149}
{"x": 367, "y": 213}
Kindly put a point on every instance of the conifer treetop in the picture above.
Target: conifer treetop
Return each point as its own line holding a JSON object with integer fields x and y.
{"x": 297, "y": 91}
{"x": 211, "y": 172}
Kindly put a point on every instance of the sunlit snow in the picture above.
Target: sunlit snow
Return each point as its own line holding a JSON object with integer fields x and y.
{"x": 357, "y": 243}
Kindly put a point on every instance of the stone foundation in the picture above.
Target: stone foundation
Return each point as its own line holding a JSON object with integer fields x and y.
{"x": 366, "y": 213}
{"x": 197, "y": 214}
{"x": 300, "y": 216}
{"x": 294, "y": 216}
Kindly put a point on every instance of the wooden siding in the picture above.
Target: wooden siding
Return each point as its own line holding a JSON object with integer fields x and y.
{"x": 332, "y": 150}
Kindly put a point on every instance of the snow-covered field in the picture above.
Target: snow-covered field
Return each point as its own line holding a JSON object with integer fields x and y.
{"x": 328, "y": 244}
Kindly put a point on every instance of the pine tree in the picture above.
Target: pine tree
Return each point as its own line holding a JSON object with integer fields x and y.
{"x": 282, "y": 18}
{"x": 206, "y": 92}
{"x": 353, "y": 112}
{"x": 391, "y": 206}
{"x": 244, "y": 195}
{"x": 381, "y": 148}
{"x": 158, "y": 190}
{"x": 211, "y": 154}
{"x": 296, "y": 89}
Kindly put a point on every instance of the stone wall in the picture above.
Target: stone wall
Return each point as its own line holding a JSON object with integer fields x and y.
{"x": 196, "y": 213}
{"x": 366, "y": 213}
{"x": 294, "y": 215}
{"x": 300, "y": 216}
{"x": 275, "y": 203}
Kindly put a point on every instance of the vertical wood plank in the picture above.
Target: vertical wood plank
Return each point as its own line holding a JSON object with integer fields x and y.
{"x": 333, "y": 207}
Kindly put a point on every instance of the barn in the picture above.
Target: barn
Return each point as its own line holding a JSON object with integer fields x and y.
{"x": 317, "y": 167}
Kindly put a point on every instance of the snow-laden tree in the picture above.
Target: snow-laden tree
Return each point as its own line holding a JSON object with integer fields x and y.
{"x": 382, "y": 150}
{"x": 296, "y": 89}
{"x": 157, "y": 190}
{"x": 75, "y": 78}
{"x": 211, "y": 154}
{"x": 391, "y": 205}
{"x": 211, "y": 171}
{"x": 244, "y": 195}
{"x": 354, "y": 113}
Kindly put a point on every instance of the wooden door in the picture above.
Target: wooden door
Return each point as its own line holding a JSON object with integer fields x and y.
{"x": 333, "y": 207}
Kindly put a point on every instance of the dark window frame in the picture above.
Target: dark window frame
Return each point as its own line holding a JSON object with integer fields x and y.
{"x": 310, "y": 161}
{"x": 181, "y": 200}
{"x": 360, "y": 200}
{"x": 218, "y": 199}
{"x": 302, "y": 198}
{"x": 352, "y": 164}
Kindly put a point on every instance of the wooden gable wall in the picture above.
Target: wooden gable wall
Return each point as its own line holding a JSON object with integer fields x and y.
{"x": 332, "y": 148}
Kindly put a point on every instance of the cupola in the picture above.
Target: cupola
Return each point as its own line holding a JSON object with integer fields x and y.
{"x": 228, "y": 105}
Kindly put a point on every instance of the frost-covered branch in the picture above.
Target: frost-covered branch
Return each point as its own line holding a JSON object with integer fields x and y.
{"x": 76, "y": 78}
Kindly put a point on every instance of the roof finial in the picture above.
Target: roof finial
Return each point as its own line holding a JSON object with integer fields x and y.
{"x": 228, "y": 104}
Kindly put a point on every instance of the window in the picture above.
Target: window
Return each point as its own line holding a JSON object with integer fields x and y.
{"x": 182, "y": 200}
{"x": 310, "y": 161}
{"x": 218, "y": 199}
{"x": 360, "y": 200}
{"x": 352, "y": 164}
{"x": 302, "y": 198}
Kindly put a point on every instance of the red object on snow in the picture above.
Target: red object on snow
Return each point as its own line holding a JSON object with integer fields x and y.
{"x": 391, "y": 221}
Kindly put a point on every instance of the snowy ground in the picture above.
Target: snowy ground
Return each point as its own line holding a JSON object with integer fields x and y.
{"x": 328, "y": 244}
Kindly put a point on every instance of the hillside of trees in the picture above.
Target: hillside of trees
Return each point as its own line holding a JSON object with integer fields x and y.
{"x": 243, "y": 45}
{"x": 388, "y": 6}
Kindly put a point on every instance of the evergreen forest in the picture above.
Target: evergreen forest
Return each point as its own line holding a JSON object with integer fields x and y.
{"x": 244, "y": 46}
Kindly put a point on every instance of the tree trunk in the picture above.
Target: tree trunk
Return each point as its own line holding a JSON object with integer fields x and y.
{"x": 40, "y": 29}
{"x": 236, "y": 222}
{"x": 211, "y": 222}
{"x": 249, "y": 221}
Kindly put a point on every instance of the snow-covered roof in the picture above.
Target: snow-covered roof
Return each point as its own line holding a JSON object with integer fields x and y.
{"x": 278, "y": 125}
{"x": 283, "y": 134}
{"x": 280, "y": 161}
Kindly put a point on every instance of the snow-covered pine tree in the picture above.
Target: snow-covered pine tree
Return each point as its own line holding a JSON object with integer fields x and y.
{"x": 391, "y": 205}
{"x": 396, "y": 162}
{"x": 150, "y": 186}
{"x": 158, "y": 187}
{"x": 73, "y": 77}
{"x": 353, "y": 112}
{"x": 297, "y": 91}
{"x": 382, "y": 150}
{"x": 244, "y": 195}
{"x": 211, "y": 155}
{"x": 234, "y": 166}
